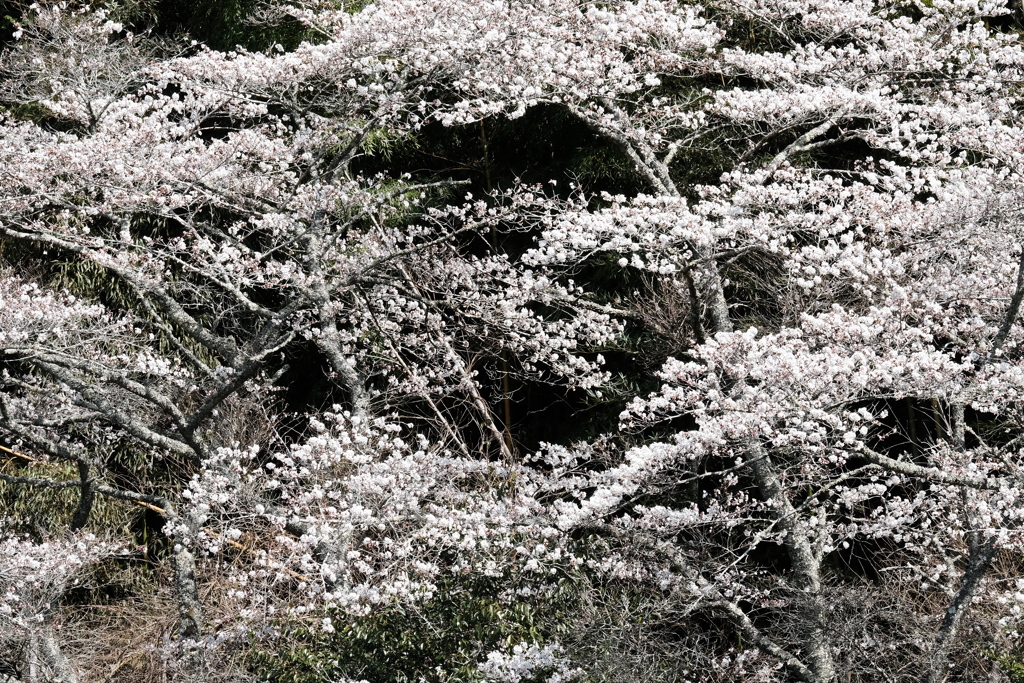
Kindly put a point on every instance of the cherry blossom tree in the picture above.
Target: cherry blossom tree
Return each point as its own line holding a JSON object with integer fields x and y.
{"x": 871, "y": 175}
{"x": 226, "y": 214}
{"x": 828, "y": 469}
{"x": 34, "y": 578}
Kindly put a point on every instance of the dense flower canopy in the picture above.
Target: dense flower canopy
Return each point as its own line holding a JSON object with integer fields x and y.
{"x": 815, "y": 470}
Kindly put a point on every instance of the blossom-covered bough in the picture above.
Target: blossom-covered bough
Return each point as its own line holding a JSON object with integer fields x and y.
{"x": 840, "y": 427}
{"x": 872, "y": 162}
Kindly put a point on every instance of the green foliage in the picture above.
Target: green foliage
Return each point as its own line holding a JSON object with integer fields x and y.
{"x": 225, "y": 24}
{"x": 440, "y": 640}
{"x": 41, "y": 510}
{"x": 1011, "y": 662}
{"x": 85, "y": 279}
{"x": 40, "y": 115}
{"x": 384, "y": 144}
{"x": 28, "y": 506}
